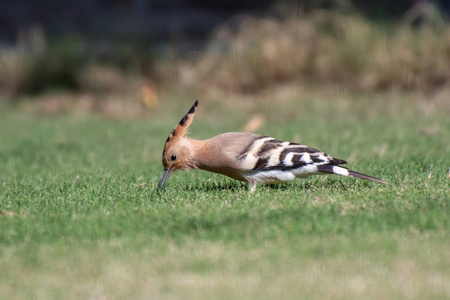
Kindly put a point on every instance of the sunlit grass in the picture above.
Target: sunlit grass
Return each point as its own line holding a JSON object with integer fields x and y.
{"x": 82, "y": 218}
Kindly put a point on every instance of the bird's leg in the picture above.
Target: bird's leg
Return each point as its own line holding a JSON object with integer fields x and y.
{"x": 252, "y": 186}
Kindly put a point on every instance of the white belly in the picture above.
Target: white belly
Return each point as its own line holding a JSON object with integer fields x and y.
{"x": 272, "y": 176}
{"x": 280, "y": 176}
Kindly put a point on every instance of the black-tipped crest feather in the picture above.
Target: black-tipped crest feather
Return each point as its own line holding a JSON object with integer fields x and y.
{"x": 193, "y": 107}
{"x": 183, "y": 121}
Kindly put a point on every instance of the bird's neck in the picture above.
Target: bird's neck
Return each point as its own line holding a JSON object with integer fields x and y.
{"x": 202, "y": 154}
{"x": 211, "y": 155}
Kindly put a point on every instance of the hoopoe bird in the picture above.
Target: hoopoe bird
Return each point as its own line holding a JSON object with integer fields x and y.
{"x": 249, "y": 157}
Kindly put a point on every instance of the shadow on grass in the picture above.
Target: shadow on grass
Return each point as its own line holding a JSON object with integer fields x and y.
{"x": 235, "y": 186}
{"x": 212, "y": 186}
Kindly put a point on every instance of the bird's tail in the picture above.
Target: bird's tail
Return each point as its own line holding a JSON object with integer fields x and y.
{"x": 338, "y": 170}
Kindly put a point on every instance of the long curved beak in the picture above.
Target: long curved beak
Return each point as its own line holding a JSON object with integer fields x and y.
{"x": 164, "y": 178}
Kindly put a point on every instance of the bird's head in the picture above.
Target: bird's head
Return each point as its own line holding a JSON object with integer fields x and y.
{"x": 177, "y": 151}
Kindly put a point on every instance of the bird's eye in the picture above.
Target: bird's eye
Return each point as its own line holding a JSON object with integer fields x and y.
{"x": 173, "y": 157}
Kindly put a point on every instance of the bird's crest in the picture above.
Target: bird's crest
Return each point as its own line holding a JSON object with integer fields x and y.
{"x": 181, "y": 129}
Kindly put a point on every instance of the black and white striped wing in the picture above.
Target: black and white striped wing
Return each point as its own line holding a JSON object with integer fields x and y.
{"x": 267, "y": 153}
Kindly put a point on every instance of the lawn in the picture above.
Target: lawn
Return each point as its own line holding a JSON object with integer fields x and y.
{"x": 81, "y": 217}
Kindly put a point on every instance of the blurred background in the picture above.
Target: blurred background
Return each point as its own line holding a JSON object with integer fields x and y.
{"x": 123, "y": 57}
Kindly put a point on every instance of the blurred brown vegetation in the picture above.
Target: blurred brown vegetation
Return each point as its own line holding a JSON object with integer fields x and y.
{"x": 324, "y": 48}
{"x": 315, "y": 48}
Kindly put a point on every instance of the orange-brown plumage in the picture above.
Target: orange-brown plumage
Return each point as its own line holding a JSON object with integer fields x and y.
{"x": 248, "y": 157}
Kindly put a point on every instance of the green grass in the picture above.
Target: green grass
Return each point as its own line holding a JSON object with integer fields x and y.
{"x": 89, "y": 223}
